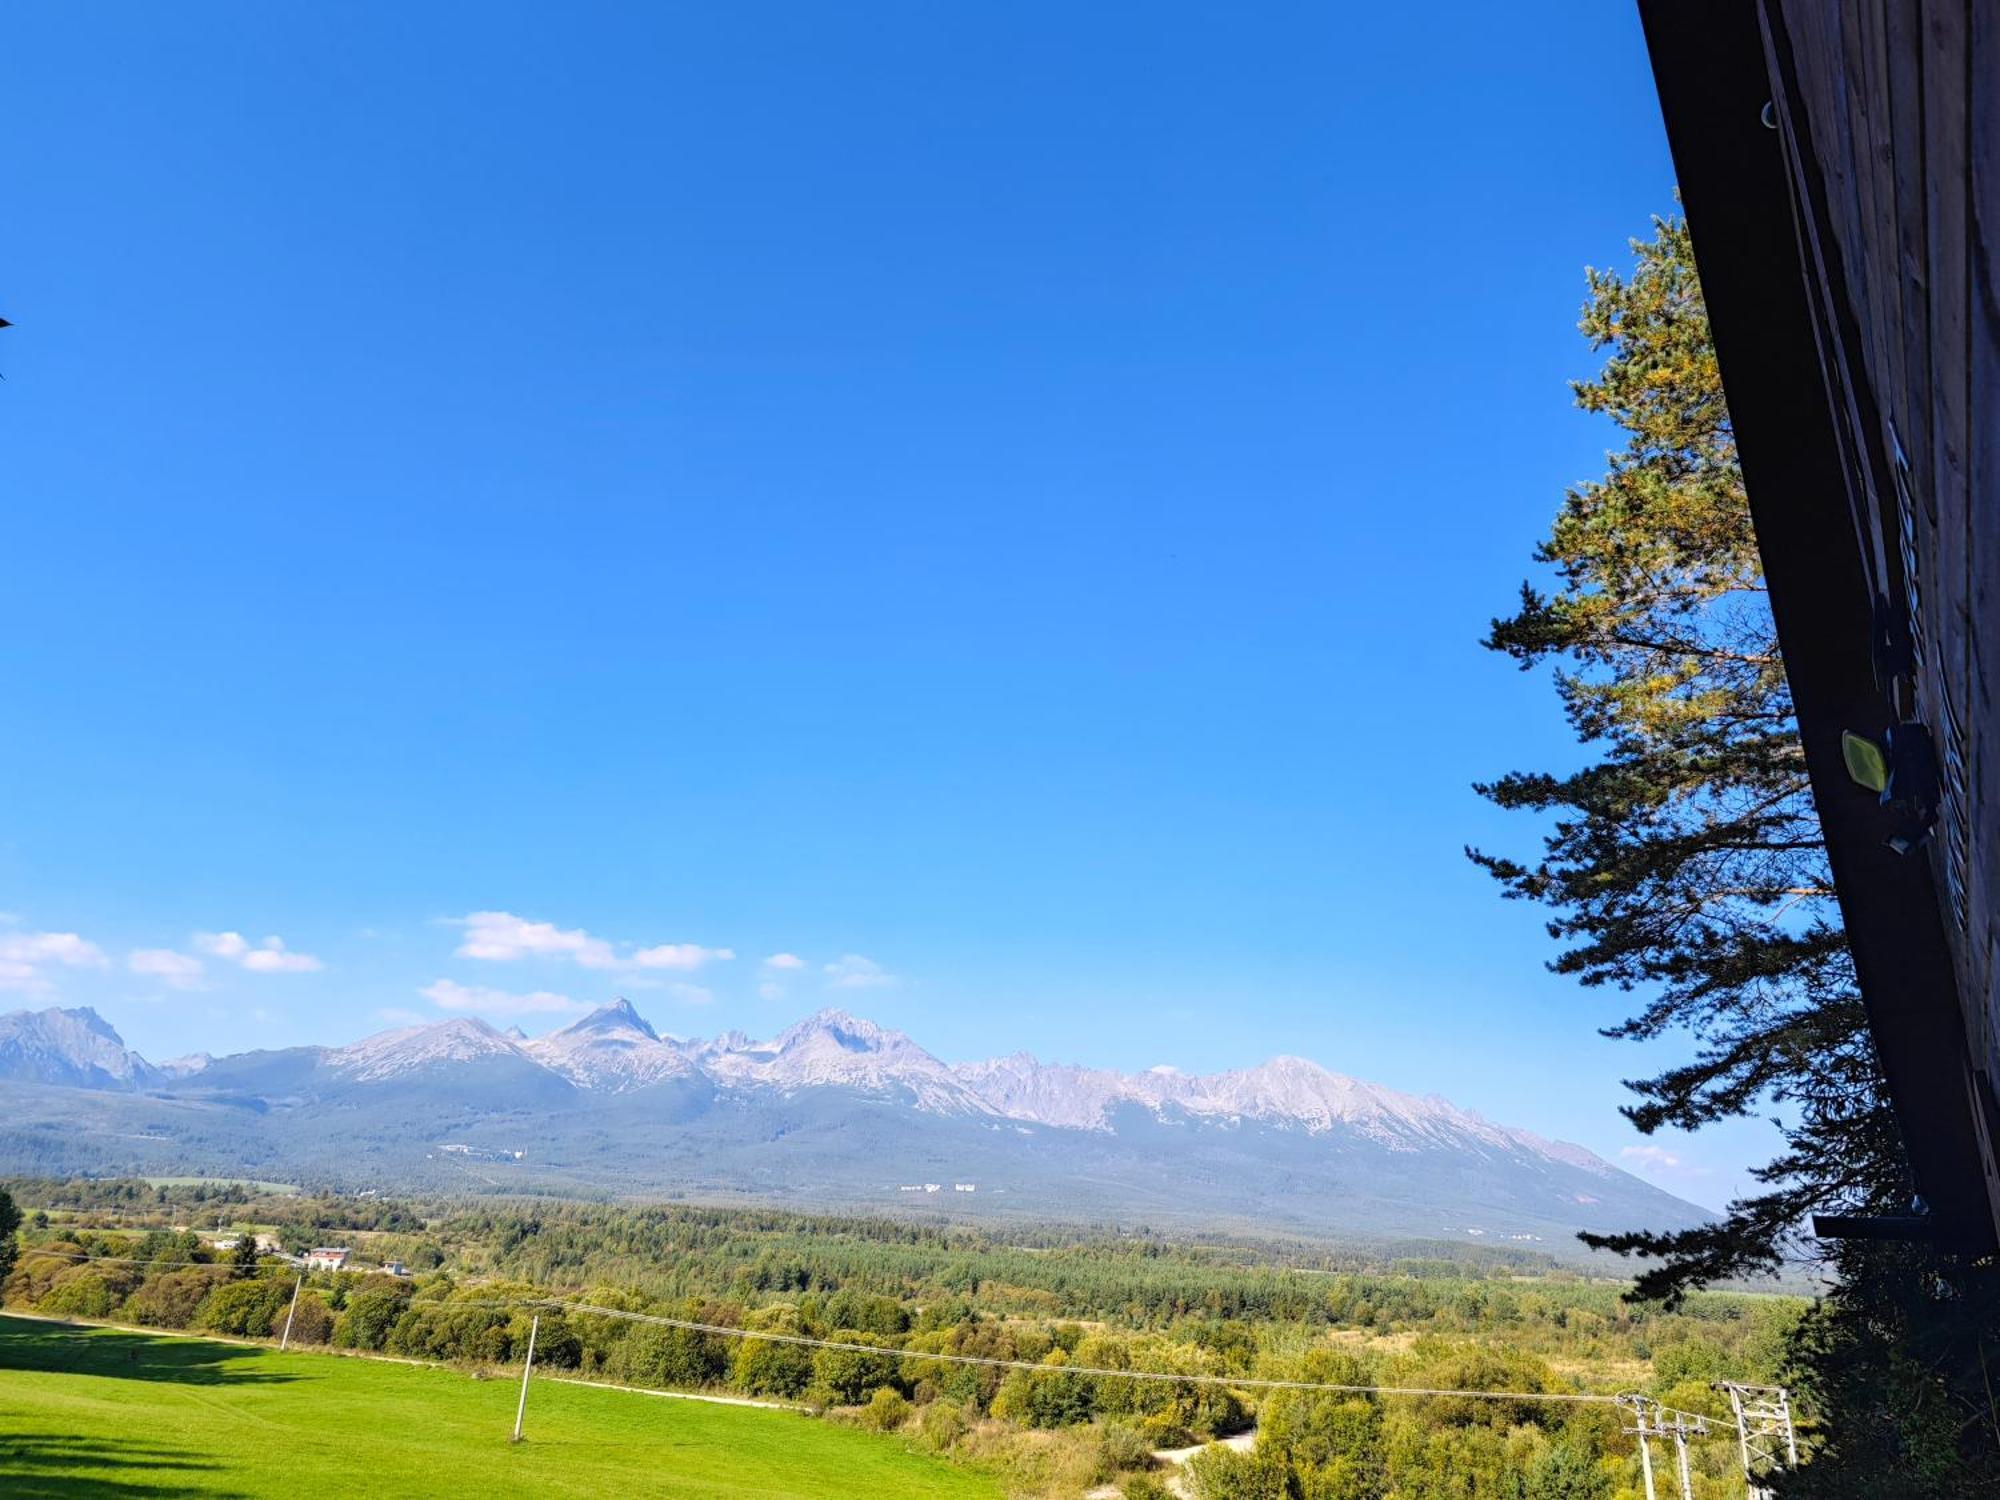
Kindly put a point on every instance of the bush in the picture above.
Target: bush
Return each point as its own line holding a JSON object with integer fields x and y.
{"x": 1566, "y": 1473}
{"x": 942, "y": 1424}
{"x": 675, "y": 1357}
{"x": 40, "y": 1265}
{"x": 245, "y": 1308}
{"x": 171, "y": 1298}
{"x": 1219, "y": 1473}
{"x": 80, "y": 1292}
{"x": 312, "y": 1320}
{"x": 368, "y": 1319}
{"x": 763, "y": 1368}
{"x": 1121, "y": 1448}
{"x": 846, "y": 1377}
{"x": 886, "y": 1411}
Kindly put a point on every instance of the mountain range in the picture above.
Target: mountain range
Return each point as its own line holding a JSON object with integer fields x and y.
{"x": 832, "y": 1111}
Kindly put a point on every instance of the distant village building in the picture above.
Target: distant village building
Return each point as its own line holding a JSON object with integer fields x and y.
{"x": 965, "y": 1187}
{"x": 933, "y": 1187}
{"x": 326, "y": 1258}
{"x": 395, "y": 1268}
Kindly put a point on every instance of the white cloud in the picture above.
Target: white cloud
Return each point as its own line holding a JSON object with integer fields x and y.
{"x": 771, "y": 991}
{"x": 23, "y": 956}
{"x": 683, "y": 956}
{"x": 1651, "y": 1156}
{"x": 1659, "y": 1159}
{"x": 177, "y": 971}
{"x": 271, "y": 957}
{"x": 448, "y": 994}
{"x": 851, "y": 971}
{"x": 691, "y": 994}
{"x": 502, "y": 937}
{"x": 268, "y": 957}
{"x": 784, "y": 961}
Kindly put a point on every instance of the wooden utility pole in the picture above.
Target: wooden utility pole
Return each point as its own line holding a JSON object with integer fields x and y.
{"x": 1681, "y": 1457}
{"x": 1644, "y": 1428}
{"x": 290, "y": 1313}
{"x": 1651, "y": 1420}
{"x": 527, "y": 1369}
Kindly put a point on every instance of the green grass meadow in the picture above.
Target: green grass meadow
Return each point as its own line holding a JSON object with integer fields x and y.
{"x": 103, "y": 1412}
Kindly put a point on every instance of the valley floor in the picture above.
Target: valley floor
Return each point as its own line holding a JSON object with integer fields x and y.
{"x": 106, "y": 1412}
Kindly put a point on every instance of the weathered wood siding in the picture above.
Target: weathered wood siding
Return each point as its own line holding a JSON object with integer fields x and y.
{"x": 1891, "y": 115}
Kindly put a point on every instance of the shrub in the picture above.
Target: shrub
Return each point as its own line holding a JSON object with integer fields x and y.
{"x": 675, "y": 1357}
{"x": 312, "y": 1320}
{"x": 368, "y": 1319}
{"x": 245, "y": 1308}
{"x": 942, "y": 1424}
{"x": 80, "y": 1292}
{"x": 886, "y": 1410}
{"x": 171, "y": 1298}
{"x": 40, "y": 1266}
{"x": 847, "y": 1376}
{"x": 1219, "y": 1473}
{"x": 1120, "y": 1448}
{"x": 763, "y": 1368}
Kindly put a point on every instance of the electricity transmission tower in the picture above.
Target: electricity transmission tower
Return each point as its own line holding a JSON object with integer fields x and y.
{"x": 1764, "y": 1434}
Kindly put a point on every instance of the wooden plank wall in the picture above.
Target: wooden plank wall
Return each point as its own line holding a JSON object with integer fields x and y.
{"x": 1894, "y": 111}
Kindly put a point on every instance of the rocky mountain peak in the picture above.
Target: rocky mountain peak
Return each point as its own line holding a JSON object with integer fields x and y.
{"x": 75, "y": 1047}
{"x": 619, "y": 1015}
{"x": 613, "y": 1048}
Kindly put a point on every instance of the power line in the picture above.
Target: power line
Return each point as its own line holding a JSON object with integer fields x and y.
{"x": 723, "y": 1330}
{"x": 994, "y": 1362}
{"x": 119, "y": 1260}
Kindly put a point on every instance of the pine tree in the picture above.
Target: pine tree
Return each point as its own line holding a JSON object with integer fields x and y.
{"x": 1684, "y": 866}
{"x": 1685, "y": 863}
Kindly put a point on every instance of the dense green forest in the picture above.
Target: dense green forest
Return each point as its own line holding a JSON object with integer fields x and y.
{"x": 1056, "y": 1300}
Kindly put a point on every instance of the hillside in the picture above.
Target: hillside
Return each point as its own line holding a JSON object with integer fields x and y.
{"x": 92, "y": 1412}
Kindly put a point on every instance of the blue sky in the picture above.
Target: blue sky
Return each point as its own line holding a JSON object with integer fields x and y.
{"x": 995, "y": 503}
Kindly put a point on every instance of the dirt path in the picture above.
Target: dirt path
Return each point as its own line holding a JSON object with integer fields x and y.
{"x": 1177, "y": 1458}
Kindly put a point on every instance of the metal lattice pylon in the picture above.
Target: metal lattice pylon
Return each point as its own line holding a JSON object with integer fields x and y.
{"x": 1764, "y": 1434}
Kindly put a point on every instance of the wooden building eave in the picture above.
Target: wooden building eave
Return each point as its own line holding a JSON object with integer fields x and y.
{"x": 1740, "y": 138}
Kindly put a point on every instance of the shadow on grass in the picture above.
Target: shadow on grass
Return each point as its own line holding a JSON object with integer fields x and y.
{"x": 72, "y": 1349}
{"x": 58, "y": 1468}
